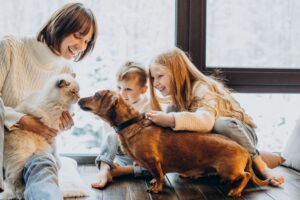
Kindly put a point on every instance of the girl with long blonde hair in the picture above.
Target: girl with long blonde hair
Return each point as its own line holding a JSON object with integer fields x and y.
{"x": 201, "y": 103}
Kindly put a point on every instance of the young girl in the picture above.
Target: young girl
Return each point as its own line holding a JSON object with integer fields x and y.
{"x": 25, "y": 65}
{"x": 200, "y": 103}
{"x": 132, "y": 86}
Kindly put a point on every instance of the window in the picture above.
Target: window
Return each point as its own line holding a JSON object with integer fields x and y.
{"x": 133, "y": 29}
{"x": 252, "y": 34}
{"x": 255, "y": 43}
{"x": 274, "y": 114}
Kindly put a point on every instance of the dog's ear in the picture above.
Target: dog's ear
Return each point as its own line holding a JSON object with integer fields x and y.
{"x": 62, "y": 83}
{"x": 109, "y": 100}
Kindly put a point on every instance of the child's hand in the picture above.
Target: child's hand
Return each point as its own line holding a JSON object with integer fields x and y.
{"x": 161, "y": 118}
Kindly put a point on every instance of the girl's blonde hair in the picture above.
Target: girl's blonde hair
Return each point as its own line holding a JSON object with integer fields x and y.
{"x": 71, "y": 18}
{"x": 183, "y": 74}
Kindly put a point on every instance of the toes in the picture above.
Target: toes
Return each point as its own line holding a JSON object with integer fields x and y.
{"x": 277, "y": 181}
{"x": 99, "y": 185}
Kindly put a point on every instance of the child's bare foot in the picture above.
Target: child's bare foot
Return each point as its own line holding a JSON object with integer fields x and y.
{"x": 275, "y": 179}
{"x": 104, "y": 176}
{"x": 104, "y": 179}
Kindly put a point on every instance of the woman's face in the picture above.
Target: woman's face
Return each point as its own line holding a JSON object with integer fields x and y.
{"x": 74, "y": 44}
{"x": 161, "y": 76}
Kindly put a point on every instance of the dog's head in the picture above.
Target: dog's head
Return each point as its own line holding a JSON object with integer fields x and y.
{"x": 63, "y": 88}
{"x": 101, "y": 104}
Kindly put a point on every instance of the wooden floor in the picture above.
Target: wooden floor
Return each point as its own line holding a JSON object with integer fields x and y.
{"x": 128, "y": 188}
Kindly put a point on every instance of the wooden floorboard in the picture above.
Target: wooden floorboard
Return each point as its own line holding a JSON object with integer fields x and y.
{"x": 176, "y": 188}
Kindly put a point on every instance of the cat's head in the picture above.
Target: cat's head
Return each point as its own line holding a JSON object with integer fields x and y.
{"x": 63, "y": 88}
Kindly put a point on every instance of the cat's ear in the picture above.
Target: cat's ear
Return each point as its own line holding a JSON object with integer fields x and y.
{"x": 62, "y": 83}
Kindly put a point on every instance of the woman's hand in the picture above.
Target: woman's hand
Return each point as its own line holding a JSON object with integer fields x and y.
{"x": 161, "y": 118}
{"x": 32, "y": 124}
{"x": 66, "y": 121}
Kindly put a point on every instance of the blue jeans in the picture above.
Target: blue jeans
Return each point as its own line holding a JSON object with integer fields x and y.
{"x": 111, "y": 152}
{"x": 239, "y": 132}
{"x": 40, "y": 176}
{"x": 1, "y": 142}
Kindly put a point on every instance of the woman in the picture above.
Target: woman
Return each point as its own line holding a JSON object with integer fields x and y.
{"x": 25, "y": 65}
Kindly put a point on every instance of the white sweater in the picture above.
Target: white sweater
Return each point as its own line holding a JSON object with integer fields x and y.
{"x": 25, "y": 65}
{"x": 207, "y": 110}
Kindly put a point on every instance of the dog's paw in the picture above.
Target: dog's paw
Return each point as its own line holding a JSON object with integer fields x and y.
{"x": 234, "y": 193}
{"x": 153, "y": 182}
{"x": 154, "y": 189}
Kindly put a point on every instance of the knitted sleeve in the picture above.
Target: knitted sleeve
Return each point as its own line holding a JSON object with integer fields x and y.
{"x": 11, "y": 116}
{"x": 202, "y": 118}
{"x": 5, "y": 57}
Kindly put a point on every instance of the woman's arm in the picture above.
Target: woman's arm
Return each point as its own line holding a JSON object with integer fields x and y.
{"x": 32, "y": 124}
{"x": 11, "y": 116}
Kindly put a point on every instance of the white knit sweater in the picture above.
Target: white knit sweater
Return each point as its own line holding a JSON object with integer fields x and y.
{"x": 210, "y": 108}
{"x": 25, "y": 65}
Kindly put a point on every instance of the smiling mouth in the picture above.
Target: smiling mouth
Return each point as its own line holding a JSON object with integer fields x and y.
{"x": 73, "y": 52}
{"x": 161, "y": 89}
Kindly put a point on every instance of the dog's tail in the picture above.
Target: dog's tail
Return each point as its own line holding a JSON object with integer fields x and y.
{"x": 254, "y": 178}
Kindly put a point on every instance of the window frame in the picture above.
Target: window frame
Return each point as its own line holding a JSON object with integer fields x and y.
{"x": 191, "y": 37}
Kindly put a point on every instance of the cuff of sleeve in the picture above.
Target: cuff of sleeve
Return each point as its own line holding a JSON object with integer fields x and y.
{"x": 179, "y": 122}
{"x": 102, "y": 158}
{"x": 12, "y": 117}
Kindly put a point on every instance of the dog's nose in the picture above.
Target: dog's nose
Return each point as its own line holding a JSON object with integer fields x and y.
{"x": 81, "y": 102}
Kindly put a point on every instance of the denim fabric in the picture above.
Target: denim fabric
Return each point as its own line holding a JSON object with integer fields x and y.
{"x": 41, "y": 178}
{"x": 1, "y": 142}
{"x": 108, "y": 149}
{"x": 111, "y": 152}
{"x": 237, "y": 131}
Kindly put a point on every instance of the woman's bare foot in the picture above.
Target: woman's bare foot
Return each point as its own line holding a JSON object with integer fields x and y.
{"x": 262, "y": 168}
{"x": 104, "y": 177}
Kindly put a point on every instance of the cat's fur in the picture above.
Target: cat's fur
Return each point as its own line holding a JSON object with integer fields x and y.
{"x": 47, "y": 105}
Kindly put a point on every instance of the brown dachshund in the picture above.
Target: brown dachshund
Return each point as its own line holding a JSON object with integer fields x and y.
{"x": 161, "y": 150}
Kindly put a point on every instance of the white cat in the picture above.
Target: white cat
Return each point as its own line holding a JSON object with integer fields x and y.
{"x": 56, "y": 96}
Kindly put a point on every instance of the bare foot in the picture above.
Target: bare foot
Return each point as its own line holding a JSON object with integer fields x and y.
{"x": 275, "y": 179}
{"x": 267, "y": 173}
{"x": 104, "y": 177}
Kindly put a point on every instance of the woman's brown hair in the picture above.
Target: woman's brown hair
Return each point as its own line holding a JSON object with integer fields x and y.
{"x": 71, "y": 18}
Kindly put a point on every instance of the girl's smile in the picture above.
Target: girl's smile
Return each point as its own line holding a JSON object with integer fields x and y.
{"x": 161, "y": 77}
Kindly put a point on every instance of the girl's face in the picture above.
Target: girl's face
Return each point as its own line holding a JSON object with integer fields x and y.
{"x": 131, "y": 91}
{"x": 161, "y": 76}
{"x": 74, "y": 44}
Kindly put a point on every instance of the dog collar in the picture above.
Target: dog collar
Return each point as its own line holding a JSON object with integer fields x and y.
{"x": 119, "y": 127}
